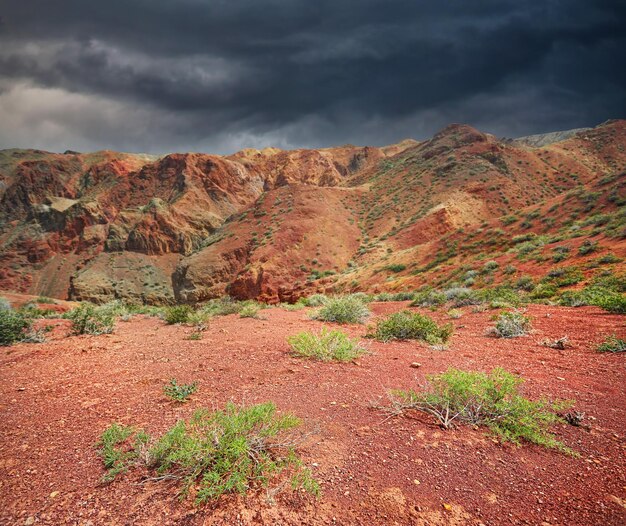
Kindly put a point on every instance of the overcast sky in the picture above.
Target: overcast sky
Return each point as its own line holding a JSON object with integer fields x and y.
{"x": 220, "y": 75}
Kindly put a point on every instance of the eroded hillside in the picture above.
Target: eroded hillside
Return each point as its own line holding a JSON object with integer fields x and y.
{"x": 274, "y": 224}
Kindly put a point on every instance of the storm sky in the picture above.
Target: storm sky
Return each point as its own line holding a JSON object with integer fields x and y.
{"x": 220, "y": 75}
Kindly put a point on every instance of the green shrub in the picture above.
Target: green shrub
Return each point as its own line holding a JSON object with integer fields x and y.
{"x": 88, "y": 319}
{"x": 461, "y": 296}
{"x": 45, "y": 299}
{"x": 5, "y": 304}
{"x": 214, "y": 453}
{"x": 511, "y": 325}
{"x": 492, "y": 400}
{"x": 490, "y": 266}
{"x": 179, "y": 392}
{"x": 346, "y": 309}
{"x": 178, "y": 314}
{"x": 455, "y": 314}
{"x": 395, "y": 268}
{"x": 501, "y": 295}
{"x": 222, "y": 307}
{"x": 429, "y": 298}
{"x": 604, "y": 298}
{"x": 543, "y": 291}
{"x": 407, "y": 325}
{"x": 564, "y": 276}
{"x": 250, "y": 310}
{"x": 525, "y": 283}
{"x": 612, "y": 344}
{"x": 587, "y": 247}
{"x": 13, "y": 326}
{"x": 325, "y": 346}
{"x": 316, "y": 300}
{"x": 116, "y": 459}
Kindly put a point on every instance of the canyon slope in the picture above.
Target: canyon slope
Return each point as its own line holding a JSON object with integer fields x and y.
{"x": 463, "y": 207}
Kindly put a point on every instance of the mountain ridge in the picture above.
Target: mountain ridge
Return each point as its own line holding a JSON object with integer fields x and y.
{"x": 191, "y": 226}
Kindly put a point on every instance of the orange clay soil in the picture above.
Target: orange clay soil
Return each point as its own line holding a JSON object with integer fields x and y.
{"x": 56, "y": 399}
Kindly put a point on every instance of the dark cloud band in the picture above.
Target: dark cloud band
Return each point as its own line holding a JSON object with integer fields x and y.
{"x": 211, "y": 75}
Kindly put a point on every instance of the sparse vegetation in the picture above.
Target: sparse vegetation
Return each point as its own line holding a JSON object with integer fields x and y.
{"x": 179, "y": 392}
{"x": 88, "y": 319}
{"x": 13, "y": 326}
{"x": 215, "y": 453}
{"x": 177, "y": 314}
{"x": 407, "y": 325}
{"x": 612, "y": 344}
{"x": 491, "y": 400}
{"x": 343, "y": 309}
{"x": 325, "y": 346}
{"x": 511, "y": 325}
{"x": 250, "y": 310}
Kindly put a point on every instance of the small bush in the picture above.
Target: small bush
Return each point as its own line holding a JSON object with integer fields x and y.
{"x": 429, "y": 298}
{"x": 587, "y": 247}
{"x": 179, "y": 392}
{"x": 492, "y": 400}
{"x": 543, "y": 291}
{"x": 5, "y": 304}
{"x": 525, "y": 283}
{"x": 88, "y": 319}
{"x": 250, "y": 310}
{"x": 178, "y": 314}
{"x": 604, "y": 298}
{"x": 395, "y": 268}
{"x": 511, "y": 325}
{"x": 455, "y": 314}
{"x": 325, "y": 346}
{"x": 490, "y": 266}
{"x": 222, "y": 307}
{"x": 316, "y": 300}
{"x": 346, "y": 309}
{"x": 461, "y": 296}
{"x": 407, "y": 325}
{"x": 612, "y": 344}
{"x": 13, "y": 326}
{"x": 215, "y": 453}
{"x": 564, "y": 276}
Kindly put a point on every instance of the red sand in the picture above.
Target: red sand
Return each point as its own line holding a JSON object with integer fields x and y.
{"x": 57, "y": 397}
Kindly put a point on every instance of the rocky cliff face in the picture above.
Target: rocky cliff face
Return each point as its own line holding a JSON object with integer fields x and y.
{"x": 273, "y": 224}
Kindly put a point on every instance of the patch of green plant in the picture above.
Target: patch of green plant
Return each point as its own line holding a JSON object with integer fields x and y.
{"x": 587, "y": 247}
{"x": 612, "y": 344}
{"x": 511, "y": 325}
{"x": 395, "y": 268}
{"x": 502, "y": 295}
{"x": 325, "y": 346}
{"x": 116, "y": 458}
{"x": 315, "y": 300}
{"x": 13, "y": 326}
{"x": 179, "y": 392}
{"x": 429, "y": 298}
{"x": 250, "y": 310}
{"x": 604, "y": 298}
{"x": 343, "y": 309}
{"x": 407, "y": 325}
{"x": 215, "y": 453}
{"x": 455, "y": 314}
{"x": 491, "y": 400}
{"x": 45, "y": 299}
{"x": 177, "y": 314}
{"x": 564, "y": 276}
{"x": 525, "y": 283}
{"x": 87, "y": 319}
{"x": 194, "y": 336}
{"x": 461, "y": 296}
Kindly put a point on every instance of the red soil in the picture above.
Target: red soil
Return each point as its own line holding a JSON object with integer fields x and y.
{"x": 56, "y": 399}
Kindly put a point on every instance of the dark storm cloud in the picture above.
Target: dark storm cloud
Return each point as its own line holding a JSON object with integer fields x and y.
{"x": 220, "y": 75}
